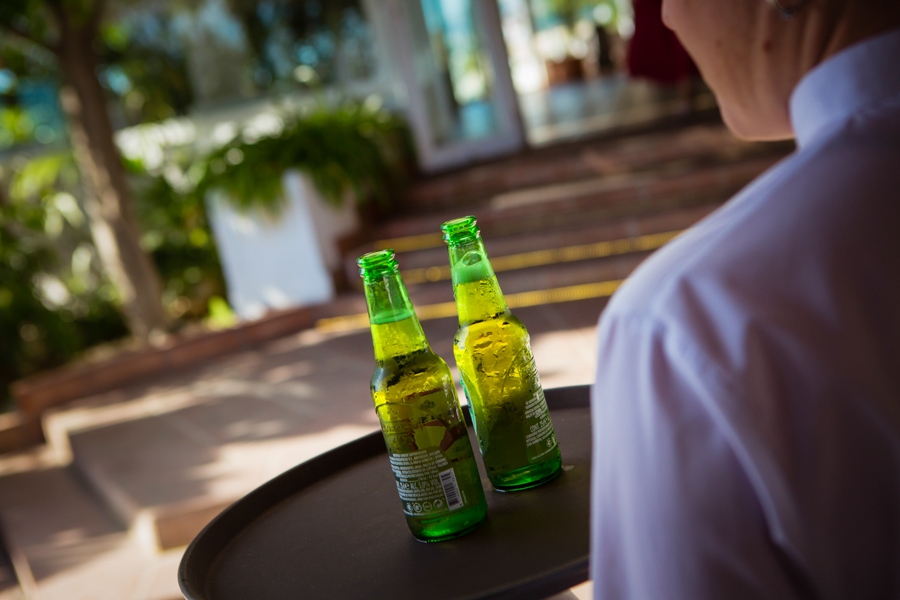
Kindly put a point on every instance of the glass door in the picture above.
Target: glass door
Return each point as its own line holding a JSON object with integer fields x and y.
{"x": 453, "y": 59}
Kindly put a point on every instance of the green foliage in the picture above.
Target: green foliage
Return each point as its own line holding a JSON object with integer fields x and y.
{"x": 569, "y": 11}
{"x": 54, "y": 300}
{"x": 142, "y": 61}
{"x": 220, "y": 314}
{"x": 284, "y": 35}
{"x": 27, "y": 18}
{"x": 16, "y": 127}
{"x": 176, "y": 234}
{"x": 349, "y": 149}
{"x": 51, "y": 310}
{"x": 144, "y": 66}
{"x": 38, "y": 176}
{"x": 43, "y": 321}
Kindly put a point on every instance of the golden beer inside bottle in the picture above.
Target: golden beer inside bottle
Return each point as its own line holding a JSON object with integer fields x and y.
{"x": 421, "y": 420}
{"x": 497, "y": 368}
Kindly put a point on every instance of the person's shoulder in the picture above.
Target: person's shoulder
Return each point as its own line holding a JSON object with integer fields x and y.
{"x": 778, "y": 239}
{"x": 717, "y": 244}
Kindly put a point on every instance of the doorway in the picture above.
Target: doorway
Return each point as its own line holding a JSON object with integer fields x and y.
{"x": 462, "y": 103}
{"x": 487, "y": 78}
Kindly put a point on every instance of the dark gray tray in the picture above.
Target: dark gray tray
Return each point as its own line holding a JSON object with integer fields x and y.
{"x": 333, "y": 528}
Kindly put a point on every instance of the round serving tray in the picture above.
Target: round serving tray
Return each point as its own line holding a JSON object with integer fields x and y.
{"x": 333, "y": 528}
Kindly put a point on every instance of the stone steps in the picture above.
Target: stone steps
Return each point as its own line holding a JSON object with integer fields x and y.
{"x": 556, "y": 247}
{"x": 9, "y": 584}
{"x": 165, "y": 459}
{"x": 595, "y": 205}
{"x": 693, "y": 147}
{"x": 596, "y": 200}
{"x": 64, "y": 546}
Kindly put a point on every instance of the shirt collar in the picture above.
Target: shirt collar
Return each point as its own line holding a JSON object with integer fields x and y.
{"x": 864, "y": 75}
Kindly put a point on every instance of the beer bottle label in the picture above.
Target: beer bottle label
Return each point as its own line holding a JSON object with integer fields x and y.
{"x": 433, "y": 463}
{"x": 540, "y": 438}
{"x": 427, "y": 483}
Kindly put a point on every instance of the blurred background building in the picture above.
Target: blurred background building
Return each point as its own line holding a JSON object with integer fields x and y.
{"x": 476, "y": 79}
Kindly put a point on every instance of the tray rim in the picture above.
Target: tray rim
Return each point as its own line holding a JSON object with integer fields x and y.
{"x": 320, "y": 467}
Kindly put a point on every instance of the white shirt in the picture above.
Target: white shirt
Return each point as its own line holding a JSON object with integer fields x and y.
{"x": 746, "y": 411}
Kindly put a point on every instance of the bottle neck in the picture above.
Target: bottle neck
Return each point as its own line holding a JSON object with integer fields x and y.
{"x": 396, "y": 330}
{"x": 475, "y": 287}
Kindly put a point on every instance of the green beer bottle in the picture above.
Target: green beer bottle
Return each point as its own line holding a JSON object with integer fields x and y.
{"x": 493, "y": 353}
{"x": 420, "y": 416}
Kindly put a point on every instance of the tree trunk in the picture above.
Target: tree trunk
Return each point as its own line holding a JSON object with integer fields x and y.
{"x": 108, "y": 201}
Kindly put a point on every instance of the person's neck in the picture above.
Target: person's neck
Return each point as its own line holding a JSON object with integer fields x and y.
{"x": 791, "y": 49}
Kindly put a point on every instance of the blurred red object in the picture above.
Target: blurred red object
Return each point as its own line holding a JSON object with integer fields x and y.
{"x": 655, "y": 52}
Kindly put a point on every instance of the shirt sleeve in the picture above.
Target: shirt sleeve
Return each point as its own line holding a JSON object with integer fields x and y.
{"x": 673, "y": 514}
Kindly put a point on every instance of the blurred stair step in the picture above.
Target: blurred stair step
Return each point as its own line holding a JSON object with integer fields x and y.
{"x": 586, "y": 202}
{"x": 556, "y": 245}
{"x": 140, "y": 481}
{"x": 564, "y": 282}
{"x": 612, "y": 268}
{"x": 696, "y": 146}
{"x": 166, "y": 458}
{"x": 66, "y": 547}
{"x": 9, "y": 584}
